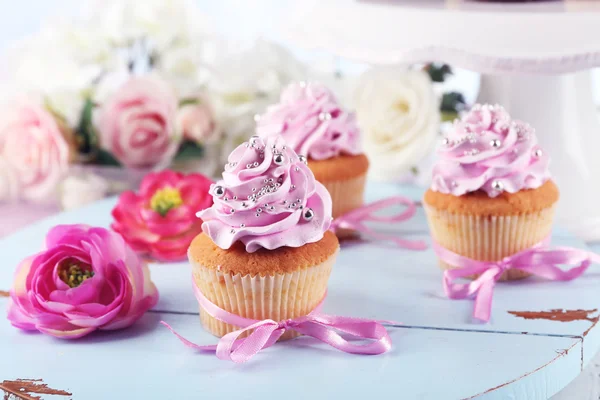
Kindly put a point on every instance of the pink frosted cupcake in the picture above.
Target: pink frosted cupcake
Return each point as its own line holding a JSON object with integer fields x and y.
{"x": 265, "y": 251}
{"x": 491, "y": 195}
{"x": 314, "y": 124}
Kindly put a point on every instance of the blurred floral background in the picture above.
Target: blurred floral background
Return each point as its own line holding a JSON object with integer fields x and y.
{"x": 95, "y": 98}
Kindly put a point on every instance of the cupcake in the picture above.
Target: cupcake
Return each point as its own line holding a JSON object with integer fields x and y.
{"x": 491, "y": 194}
{"x": 265, "y": 251}
{"x": 313, "y": 123}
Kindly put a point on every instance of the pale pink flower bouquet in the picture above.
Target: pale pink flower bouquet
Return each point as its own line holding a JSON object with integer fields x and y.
{"x": 131, "y": 87}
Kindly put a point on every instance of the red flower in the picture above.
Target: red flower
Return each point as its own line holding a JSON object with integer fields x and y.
{"x": 160, "y": 219}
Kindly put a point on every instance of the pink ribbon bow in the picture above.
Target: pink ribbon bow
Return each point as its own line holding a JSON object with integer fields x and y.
{"x": 537, "y": 260}
{"x": 356, "y": 219}
{"x": 265, "y": 333}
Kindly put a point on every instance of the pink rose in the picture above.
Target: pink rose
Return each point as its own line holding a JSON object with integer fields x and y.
{"x": 34, "y": 149}
{"x": 196, "y": 122}
{"x": 86, "y": 279}
{"x": 137, "y": 123}
{"x": 160, "y": 219}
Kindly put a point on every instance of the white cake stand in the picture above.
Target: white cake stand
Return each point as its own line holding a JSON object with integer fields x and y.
{"x": 535, "y": 60}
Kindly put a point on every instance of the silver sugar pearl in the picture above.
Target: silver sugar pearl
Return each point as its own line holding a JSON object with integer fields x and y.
{"x": 446, "y": 141}
{"x": 292, "y": 187}
{"x": 293, "y": 205}
{"x": 254, "y": 140}
{"x": 279, "y": 159}
{"x": 242, "y": 225}
{"x": 219, "y": 191}
{"x": 254, "y": 189}
{"x": 226, "y": 199}
{"x": 297, "y": 169}
{"x": 302, "y": 159}
{"x": 235, "y": 197}
{"x": 323, "y": 116}
{"x": 232, "y": 231}
{"x": 308, "y": 214}
{"x": 255, "y": 163}
{"x": 232, "y": 210}
{"x": 248, "y": 165}
{"x": 497, "y": 185}
{"x": 495, "y": 143}
{"x": 271, "y": 208}
{"x": 259, "y": 210}
{"x": 538, "y": 153}
{"x": 244, "y": 204}
{"x": 257, "y": 214}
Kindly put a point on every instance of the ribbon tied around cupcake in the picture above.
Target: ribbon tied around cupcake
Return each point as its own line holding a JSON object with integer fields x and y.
{"x": 538, "y": 260}
{"x": 356, "y": 219}
{"x": 265, "y": 333}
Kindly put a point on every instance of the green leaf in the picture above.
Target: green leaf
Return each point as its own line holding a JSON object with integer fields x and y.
{"x": 453, "y": 102}
{"x": 189, "y": 150}
{"x": 438, "y": 72}
{"x": 449, "y": 116}
{"x": 85, "y": 134}
{"x": 188, "y": 100}
{"x": 414, "y": 170}
{"x": 103, "y": 157}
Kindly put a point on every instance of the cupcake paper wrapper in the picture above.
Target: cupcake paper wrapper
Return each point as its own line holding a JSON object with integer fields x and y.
{"x": 346, "y": 195}
{"x": 489, "y": 238}
{"x": 277, "y": 297}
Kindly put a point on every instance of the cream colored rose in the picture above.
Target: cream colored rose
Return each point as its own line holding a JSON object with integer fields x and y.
{"x": 82, "y": 188}
{"x": 398, "y": 113}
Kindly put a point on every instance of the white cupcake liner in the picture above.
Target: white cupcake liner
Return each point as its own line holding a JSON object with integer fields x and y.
{"x": 277, "y": 297}
{"x": 489, "y": 238}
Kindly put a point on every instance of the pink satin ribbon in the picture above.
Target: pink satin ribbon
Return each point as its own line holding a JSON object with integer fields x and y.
{"x": 355, "y": 220}
{"x": 265, "y": 333}
{"x": 538, "y": 260}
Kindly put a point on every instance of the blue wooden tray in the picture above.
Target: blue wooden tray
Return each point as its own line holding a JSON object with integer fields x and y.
{"x": 439, "y": 352}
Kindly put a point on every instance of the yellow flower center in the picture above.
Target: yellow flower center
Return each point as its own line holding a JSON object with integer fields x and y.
{"x": 165, "y": 199}
{"x": 73, "y": 274}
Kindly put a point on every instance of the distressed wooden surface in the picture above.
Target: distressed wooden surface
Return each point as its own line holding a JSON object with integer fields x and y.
{"x": 523, "y": 353}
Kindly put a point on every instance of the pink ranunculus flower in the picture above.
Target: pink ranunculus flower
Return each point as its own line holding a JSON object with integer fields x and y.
{"x": 33, "y": 147}
{"x": 137, "y": 124}
{"x": 160, "y": 219}
{"x": 196, "y": 123}
{"x": 85, "y": 279}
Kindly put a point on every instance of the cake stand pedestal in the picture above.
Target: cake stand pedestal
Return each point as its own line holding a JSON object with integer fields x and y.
{"x": 534, "y": 59}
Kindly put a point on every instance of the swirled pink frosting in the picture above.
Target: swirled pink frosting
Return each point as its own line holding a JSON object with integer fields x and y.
{"x": 268, "y": 198}
{"x": 312, "y": 122}
{"x": 486, "y": 150}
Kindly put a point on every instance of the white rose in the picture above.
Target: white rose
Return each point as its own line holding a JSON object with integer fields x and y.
{"x": 243, "y": 84}
{"x": 79, "y": 189}
{"x": 399, "y": 115}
